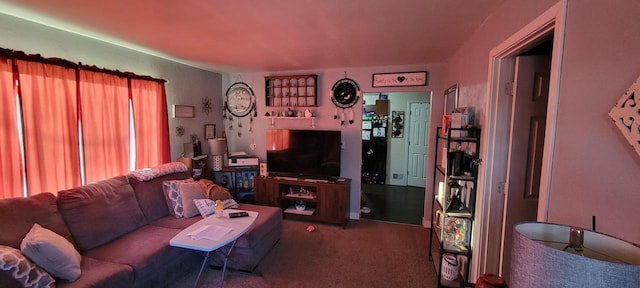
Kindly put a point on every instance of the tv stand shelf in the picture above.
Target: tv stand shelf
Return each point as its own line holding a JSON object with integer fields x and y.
{"x": 325, "y": 201}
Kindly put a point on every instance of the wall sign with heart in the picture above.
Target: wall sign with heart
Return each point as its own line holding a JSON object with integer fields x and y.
{"x": 419, "y": 78}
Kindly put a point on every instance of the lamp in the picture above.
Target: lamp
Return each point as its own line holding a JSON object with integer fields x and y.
{"x": 218, "y": 147}
{"x": 552, "y": 255}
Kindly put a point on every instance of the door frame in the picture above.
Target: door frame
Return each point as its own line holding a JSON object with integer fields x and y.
{"x": 493, "y": 174}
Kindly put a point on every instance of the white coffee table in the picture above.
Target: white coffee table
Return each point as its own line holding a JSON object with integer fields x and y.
{"x": 238, "y": 227}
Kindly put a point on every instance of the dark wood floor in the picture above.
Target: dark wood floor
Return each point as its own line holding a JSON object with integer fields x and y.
{"x": 401, "y": 204}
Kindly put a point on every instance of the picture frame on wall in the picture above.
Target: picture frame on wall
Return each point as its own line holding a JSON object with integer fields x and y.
{"x": 184, "y": 111}
{"x": 209, "y": 131}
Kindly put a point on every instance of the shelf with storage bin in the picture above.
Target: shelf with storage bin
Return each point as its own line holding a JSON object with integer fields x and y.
{"x": 291, "y": 91}
{"x": 238, "y": 180}
{"x": 453, "y": 204}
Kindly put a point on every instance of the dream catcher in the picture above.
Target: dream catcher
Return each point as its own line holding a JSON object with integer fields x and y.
{"x": 240, "y": 102}
{"x": 346, "y": 93}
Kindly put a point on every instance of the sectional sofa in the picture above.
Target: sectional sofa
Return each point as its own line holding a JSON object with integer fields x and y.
{"x": 121, "y": 229}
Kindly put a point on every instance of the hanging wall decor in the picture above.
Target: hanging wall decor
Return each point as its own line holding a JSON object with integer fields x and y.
{"x": 180, "y": 130}
{"x": 206, "y": 105}
{"x": 345, "y": 94}
{"x": 397, "y": 124}
{"x": 626, "y": 117}
{"x": 239, "y": 102}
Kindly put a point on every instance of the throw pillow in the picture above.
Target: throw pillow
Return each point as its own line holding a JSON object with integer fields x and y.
{"x": 207, "y": 207}
{"x": 230, "y": 203}
{"x": 52, "y": 252}
{"x": 171, "y": 194}
{"x": 147, "y": 174}
{"x": 189, "y": 192}
{"x": 213, "y": 191}
{"x": 22, "y": 269}
{"x": 180, "y": 195}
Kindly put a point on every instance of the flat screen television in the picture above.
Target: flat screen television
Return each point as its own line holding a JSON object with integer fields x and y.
{"x": 303, "y": 153}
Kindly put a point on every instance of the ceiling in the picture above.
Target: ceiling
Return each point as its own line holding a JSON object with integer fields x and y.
{"x": 277, "y": 35}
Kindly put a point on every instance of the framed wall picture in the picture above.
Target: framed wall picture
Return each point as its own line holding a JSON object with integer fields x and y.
{"x": 184, "y": 111}
{"x": 209, "y": 131}
{"x": 419, "y": 78}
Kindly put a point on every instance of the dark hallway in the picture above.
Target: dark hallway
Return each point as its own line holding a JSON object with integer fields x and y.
{"x": 401, "y": 204}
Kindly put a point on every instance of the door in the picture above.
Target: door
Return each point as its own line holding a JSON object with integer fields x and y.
{"x": 528, "y": 119}
{"x": 418, "y": 126}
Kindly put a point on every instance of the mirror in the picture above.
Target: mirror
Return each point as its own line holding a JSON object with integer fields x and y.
{"x": 450, "y": 99}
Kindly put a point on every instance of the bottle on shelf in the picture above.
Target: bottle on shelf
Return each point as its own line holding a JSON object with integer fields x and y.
{"x": 245, "y": 182}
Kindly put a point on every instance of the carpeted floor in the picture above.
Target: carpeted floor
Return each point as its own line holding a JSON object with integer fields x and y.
{"x": 367, "y": 254}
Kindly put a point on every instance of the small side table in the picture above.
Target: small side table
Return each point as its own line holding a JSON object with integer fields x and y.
{"x": 238, "y": 227}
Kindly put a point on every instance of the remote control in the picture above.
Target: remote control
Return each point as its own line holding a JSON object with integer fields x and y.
{"x": 238, "y": 214}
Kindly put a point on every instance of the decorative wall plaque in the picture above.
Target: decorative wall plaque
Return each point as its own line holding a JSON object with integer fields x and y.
{"x": 626, "y": 115}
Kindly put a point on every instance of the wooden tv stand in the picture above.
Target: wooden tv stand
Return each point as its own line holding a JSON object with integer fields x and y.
{"x": 325, "y": 201}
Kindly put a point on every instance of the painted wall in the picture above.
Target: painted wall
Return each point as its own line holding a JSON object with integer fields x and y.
{"x": 351, "y": 134}
{"x": 594, "y": 169}
{"x": 186, "y": 85}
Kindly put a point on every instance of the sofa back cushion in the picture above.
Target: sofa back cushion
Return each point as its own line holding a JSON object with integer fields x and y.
{"x": 17, "y": 216}
{"x": 151, "y": 197}
{"x": 100, "y": 212}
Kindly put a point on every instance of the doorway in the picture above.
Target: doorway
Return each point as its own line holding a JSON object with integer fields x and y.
{"x": 495, "y": 216}
{"x": 394, "y": 156}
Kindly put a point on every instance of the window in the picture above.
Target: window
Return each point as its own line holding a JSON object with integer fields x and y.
{"x": 68, "y": 124}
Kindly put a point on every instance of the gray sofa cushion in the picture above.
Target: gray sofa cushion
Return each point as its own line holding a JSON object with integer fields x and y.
{"x": 100, "y": 212}
{"x": 147, "y": 250}
{"x": 151, "y": 197}
{"x": 257, "y": 241}
{"x": 17, "y": 216}
{"x": 96, "y": 273}
{"x": 269, "y": 220}
{"x": 176, "y": 223}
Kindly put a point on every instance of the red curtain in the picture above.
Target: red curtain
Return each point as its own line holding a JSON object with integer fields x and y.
{"x": 10, "y": 162}
{"x": 104, "y": 108}
{"x": 150, "y": 122}
{"x": 50, "y": 115}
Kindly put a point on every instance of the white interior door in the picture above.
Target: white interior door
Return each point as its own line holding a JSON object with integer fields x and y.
{"x": 528, "y": 121}
{"x": 418, "y": 131}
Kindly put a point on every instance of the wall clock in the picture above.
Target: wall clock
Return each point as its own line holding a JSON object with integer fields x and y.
{"x": 240, "y": 100}
{"x": 345, "y": 93}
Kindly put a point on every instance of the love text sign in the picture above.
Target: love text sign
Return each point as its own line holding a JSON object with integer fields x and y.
{"x": 418, "y": 78}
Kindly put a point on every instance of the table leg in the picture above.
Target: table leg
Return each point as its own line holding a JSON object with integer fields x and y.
{"x": 204, "y": 262}
{"x": 226, "y": 258}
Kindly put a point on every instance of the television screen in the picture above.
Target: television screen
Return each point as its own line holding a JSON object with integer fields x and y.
{"x": 303, "y": 153}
